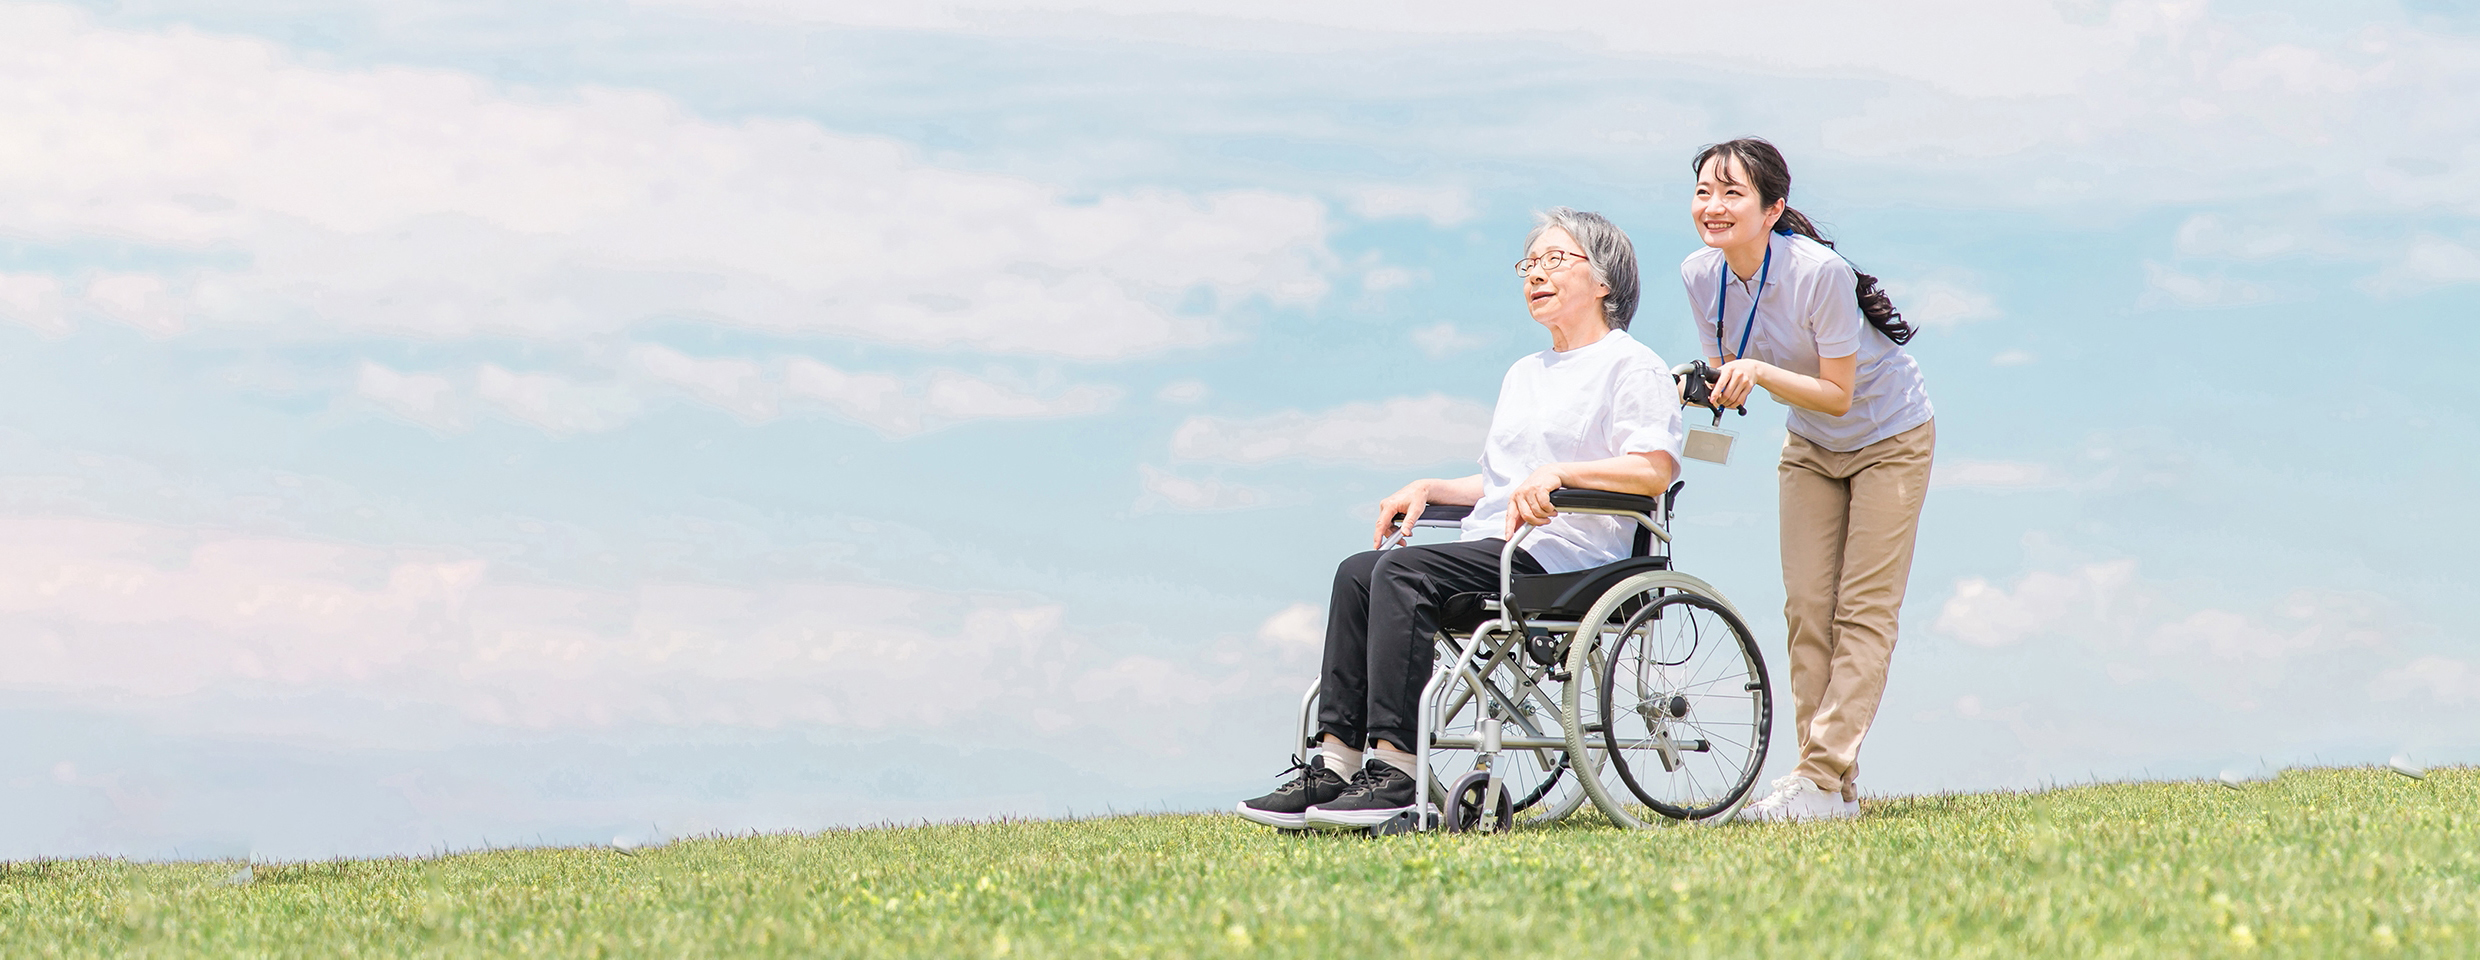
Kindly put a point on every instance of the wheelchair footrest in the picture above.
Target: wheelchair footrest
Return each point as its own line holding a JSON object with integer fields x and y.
{"x": 1406, "y": 822}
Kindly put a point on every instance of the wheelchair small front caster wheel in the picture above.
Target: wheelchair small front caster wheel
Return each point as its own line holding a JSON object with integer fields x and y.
{"x": 1464, "y": 805}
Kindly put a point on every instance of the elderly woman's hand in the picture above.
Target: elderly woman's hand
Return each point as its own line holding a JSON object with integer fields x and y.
{"x": 1408, "y": 503}
{"x": 1528, "y": 504}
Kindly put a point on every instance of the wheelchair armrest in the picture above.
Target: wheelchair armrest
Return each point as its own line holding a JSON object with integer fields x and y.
{"x": 1571, "y": 498}
{"x": 1442, "y": 514}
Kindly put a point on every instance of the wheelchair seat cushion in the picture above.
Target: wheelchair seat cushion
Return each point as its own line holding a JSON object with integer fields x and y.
{"x": 1548, "y": 596}
{"x": 1464, "y": 611}
{"x": 1566, "y": 596}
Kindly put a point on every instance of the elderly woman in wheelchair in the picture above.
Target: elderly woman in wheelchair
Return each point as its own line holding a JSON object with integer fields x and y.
{"x": 1549, "y": 653}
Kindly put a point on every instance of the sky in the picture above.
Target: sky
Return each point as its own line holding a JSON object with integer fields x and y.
{"x": 435, "y": 424}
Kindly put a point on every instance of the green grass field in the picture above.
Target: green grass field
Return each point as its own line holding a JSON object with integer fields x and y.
{"x": 2347, "y": 862}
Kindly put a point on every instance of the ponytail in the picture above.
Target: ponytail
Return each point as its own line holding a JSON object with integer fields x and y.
{"x": 1764, "y": 165}
{"x": 1874, "y": 303}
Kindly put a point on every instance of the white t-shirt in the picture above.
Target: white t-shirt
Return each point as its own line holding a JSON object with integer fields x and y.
{"x": 1600, "y": 400}
{"x": 1809, "y": 310}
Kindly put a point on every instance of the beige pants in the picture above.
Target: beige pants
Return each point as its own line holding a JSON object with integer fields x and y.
{"x": 1848, "y": 521}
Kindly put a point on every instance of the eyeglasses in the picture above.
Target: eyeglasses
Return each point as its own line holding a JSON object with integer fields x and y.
{"x": 1549, "y": 262}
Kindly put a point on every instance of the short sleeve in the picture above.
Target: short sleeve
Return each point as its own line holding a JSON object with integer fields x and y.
{"x": 1644, "y": 410}
{"x": 1700, "y": 310}
{"x": 1834, "y": 317}
{"x": 1506, "y": 415}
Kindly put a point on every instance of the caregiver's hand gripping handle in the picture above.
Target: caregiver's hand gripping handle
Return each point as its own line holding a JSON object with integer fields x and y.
{"x": 1696, "y": 387}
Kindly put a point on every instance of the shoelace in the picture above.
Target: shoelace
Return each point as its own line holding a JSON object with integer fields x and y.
{"x": 1298, "y": 784}
{"x": 1295, "y": 784}
{"x": 1781, "y": 797}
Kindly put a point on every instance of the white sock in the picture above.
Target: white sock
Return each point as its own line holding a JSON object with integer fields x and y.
{"x": 1343, "y": 760}
{"x": 1397, "y": 759}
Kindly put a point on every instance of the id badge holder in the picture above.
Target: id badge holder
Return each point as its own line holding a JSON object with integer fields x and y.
{"x": 1710, "y": 444}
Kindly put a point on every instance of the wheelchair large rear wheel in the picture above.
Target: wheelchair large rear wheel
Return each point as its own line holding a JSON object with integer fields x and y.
{"x": 1523, "y": 696}
{"x": 1672, "y": 693}
{"x": 1684, "y": 707}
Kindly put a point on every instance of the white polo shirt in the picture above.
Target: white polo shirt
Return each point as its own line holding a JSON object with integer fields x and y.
{"x": 1810, "y": 310}
{"x": 1600, "y": 400}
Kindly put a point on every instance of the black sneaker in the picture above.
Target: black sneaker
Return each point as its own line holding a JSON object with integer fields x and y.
{"x": 1282, "y": 808}
{"x": 1376, "y": 794}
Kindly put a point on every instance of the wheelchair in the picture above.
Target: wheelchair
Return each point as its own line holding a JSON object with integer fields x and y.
{"x": 1632, "y": 685}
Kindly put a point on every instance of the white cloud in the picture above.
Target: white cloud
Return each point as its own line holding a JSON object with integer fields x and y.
{"x": 425, "y": 202}
{"x": 2043, "y": 51}
{"x": 1382, "y": 279}
{"x": 2019, "y": 102}
{"x": 2429, "y": 261}
{"x": 879, "y": 400}
{"x": 1440, "y": 339}
{"x": 1402, "y": 432}
{"x": 2223, "y": 635}
{"x": 1165, "y": 489}
{"x": 2142, "y": 632}
{"x": 1182, "y": 391}
{"x": 92, "y": 606}
{"x": 1441, "y": 206}
{"x": 1992, "y": 474}
{"x": 733, "y": 384}
{"x": 557, "y": 404}
{"x": 2290, "y": 69}
{"x": 1940, "y": 304}
{"x": 2211, "y": 235}
{"x": 120, "y": 615}
{"x": 2012, "y": 358}
{"x": 1297, "y": 633}
{"x": 1153, "y": 682}
{"x": 37, "y": 302}
{"x": 139, "y": 300}
{"x": 1985, "y": 615}
{"x": 2442, "y": 679}
{"x": 956, "y": 397}
{"x": 899, "y": 406}
{"x": 2163, "y": 284}
{"x": 590, "y": 401}
{"x": 427, "y": 399}
{"x": 2185, "y": 104}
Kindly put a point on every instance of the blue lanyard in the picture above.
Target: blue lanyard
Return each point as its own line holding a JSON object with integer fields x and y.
{"x": 1762, "y": 271}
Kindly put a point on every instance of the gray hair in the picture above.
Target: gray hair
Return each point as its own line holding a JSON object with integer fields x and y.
{"x": 1608, "y": 252}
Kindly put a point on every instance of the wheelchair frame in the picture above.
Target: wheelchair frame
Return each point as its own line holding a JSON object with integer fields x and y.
{"x": 1500, "y": 641}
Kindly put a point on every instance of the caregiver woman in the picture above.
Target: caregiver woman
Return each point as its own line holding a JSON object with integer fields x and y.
{"x": 1777, "y": 308}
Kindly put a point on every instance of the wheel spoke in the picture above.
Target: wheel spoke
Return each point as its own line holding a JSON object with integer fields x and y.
{"x": 1686, "y": 656}
{"x": 1707, "y": 683}
{"x": 1710, "y": 735}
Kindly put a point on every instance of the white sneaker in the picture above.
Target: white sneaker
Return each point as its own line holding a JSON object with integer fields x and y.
{"x": 1796, "y": 799}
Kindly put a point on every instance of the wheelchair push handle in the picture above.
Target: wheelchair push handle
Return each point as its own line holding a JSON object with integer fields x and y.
{"x": 1697, "y": 386}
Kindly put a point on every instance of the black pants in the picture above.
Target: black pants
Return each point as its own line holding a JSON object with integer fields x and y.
{"x": 1381, "y": 628}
